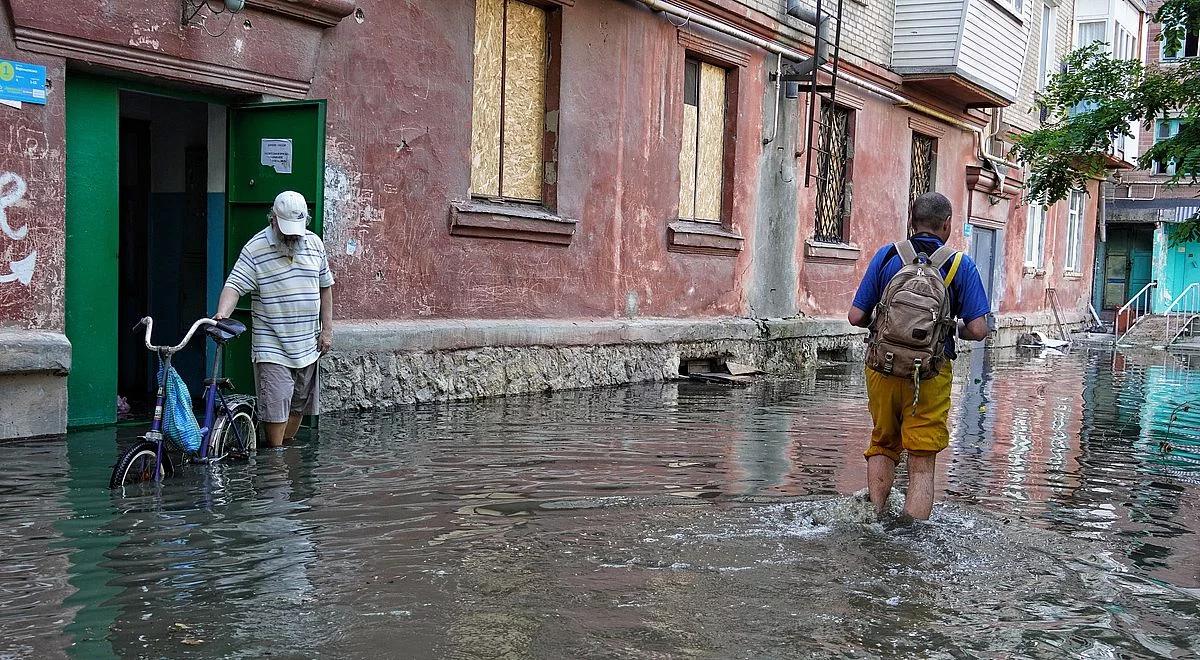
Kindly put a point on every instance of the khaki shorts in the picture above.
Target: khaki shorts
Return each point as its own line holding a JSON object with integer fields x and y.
{"x": 898, "y": 427}
{"x": 283, "y": 391}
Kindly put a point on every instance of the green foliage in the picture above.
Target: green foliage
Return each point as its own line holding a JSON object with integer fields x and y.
{"x": 1094, "y": 100}
{"x": 1187, "y": 232}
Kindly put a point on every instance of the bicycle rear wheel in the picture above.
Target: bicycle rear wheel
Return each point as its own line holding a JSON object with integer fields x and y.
{"x": 137, "y": 464}
{"x": 235, "y": 433}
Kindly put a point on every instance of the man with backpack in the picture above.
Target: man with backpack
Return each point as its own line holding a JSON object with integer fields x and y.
{"x": 911, "y": 298}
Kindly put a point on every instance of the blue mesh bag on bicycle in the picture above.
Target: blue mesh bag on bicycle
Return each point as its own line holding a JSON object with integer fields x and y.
{"x": 179, "y": 420}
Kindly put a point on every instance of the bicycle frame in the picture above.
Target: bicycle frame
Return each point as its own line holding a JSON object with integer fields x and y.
{"x": 212, "y": 395}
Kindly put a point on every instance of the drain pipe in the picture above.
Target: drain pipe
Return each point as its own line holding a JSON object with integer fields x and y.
{"x": 803, "y": 59}
{"x": 823, "y": 25}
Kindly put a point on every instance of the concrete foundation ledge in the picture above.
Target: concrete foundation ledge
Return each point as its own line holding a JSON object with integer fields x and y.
{"x": 381, "y": 364}
{"x": 33, "y": 383}
{"x": 1010, "y": 326}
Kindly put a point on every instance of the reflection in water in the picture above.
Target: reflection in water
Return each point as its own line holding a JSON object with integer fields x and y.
{"x": 678, "y": 518}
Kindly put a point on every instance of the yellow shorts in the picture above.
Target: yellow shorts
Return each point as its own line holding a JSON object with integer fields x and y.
{"x": 897, "y": 428}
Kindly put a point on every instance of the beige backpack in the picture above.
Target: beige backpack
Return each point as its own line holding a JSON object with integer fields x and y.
{"x": 913, "y": 317}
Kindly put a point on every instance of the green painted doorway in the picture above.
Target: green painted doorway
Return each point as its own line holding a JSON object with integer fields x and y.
{"x": 167, "y": 257}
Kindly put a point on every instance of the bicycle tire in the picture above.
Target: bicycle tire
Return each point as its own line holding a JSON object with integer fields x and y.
{"x": 141, "y": 451}
{"x": 224, "y": 441}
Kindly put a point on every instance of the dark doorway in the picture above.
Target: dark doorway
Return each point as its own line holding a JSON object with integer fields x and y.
{"x": 163, "y": 238}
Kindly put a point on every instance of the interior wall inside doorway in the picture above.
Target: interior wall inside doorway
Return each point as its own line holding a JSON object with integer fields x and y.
{"x": 164, "y": 209}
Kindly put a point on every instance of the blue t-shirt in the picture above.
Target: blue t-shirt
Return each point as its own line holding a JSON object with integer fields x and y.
{"x": 968, "y": 299}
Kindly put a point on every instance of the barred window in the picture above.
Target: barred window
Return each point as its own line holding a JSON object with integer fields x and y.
{"x": 924, "y": 166}
{"x": 835, "y": 146}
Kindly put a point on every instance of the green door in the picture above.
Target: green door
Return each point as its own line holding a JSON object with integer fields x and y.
{"x": 290, "y": 138}
{"x": 92, "y": 223}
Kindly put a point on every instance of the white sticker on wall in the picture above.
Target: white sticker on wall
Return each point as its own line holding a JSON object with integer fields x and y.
{"x": 277, "y": 153}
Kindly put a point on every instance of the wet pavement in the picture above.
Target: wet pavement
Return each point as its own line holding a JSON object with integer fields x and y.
{"x": 673, "y": 520}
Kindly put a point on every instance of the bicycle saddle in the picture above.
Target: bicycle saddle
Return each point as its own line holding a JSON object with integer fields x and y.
{"x": 225, "y": 330}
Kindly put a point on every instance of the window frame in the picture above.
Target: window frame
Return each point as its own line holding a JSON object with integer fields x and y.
{"x": 1169, "y": 168}
{"x": 1047, "y": 33}
{"x": 1091, "y": 21}
{"x": 1076, "y": 214}
{"x": 689, "y": 235}
{"x": 1121, "y": 39}
{"x": 847, "y": 181}
{"x": 550, "y": 108}
{"x": 494, "y": 217}
{"x": 1164, "y": 57}
{"x": 728, "y": 135}
{"x": 1035, "y": 245}
{"x": 933, "y": 163}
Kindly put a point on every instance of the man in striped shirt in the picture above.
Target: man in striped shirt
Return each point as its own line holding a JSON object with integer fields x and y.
{"x": 285, "y": 268}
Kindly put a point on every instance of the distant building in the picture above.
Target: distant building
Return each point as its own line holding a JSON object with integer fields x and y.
{"x": 1139, "y": 256}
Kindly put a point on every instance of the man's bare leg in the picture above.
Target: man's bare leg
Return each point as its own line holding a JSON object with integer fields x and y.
{"x": 275, "y": 433}
{"x": 881, "y": 472}
{"x": 918, "y": 501}
{"x": 293, "y": 426}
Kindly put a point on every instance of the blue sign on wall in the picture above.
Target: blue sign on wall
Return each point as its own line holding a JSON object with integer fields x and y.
{"x": 23, "y": 82}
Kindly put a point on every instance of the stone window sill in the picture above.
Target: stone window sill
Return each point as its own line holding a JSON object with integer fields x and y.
{"x": 507, "y": 221}
{"x": 815, "y": 249}
{"x": 1031, "y": 271}
{"x": 703, "y": 238}
{"x": 1072, "y": 275}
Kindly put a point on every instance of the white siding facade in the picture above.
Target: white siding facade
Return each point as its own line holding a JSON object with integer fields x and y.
{"x": 978, "y": 40}
{"x": 993, "y": 47}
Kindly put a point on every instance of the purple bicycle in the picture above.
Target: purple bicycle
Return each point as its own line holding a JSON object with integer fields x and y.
{"x": 230, "y": 425}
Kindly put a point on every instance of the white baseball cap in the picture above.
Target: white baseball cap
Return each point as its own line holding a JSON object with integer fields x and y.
{"x": 291, "y": 213}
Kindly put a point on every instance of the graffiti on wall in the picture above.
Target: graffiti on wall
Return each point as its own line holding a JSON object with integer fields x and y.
{"x": 12, "y": 191}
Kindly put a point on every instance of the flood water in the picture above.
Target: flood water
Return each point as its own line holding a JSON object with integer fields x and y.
{"x": 676, "y": 520}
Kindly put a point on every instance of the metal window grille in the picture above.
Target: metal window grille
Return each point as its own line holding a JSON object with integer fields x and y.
{"x": 924, "y": 164}
{"x": 833, "y": 199}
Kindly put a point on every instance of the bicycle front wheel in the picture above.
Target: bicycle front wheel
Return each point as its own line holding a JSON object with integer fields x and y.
{"x": 137, "y": 465}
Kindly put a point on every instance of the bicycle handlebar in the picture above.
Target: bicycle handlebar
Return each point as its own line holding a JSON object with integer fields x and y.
{"x": 149, "y": 323}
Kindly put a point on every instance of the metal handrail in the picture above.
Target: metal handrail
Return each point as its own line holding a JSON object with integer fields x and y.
{"x": 1175, "y": 317}
{"x": 1140, "y": 304}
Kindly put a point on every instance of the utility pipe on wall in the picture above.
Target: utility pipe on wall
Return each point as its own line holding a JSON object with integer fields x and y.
{"x": 803, "y": 13}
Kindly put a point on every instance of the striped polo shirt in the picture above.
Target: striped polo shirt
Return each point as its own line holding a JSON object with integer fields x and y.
{"x": 286, "y": 305}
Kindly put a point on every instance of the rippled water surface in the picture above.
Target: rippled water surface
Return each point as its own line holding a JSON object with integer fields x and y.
{"x": 649, "y": 521}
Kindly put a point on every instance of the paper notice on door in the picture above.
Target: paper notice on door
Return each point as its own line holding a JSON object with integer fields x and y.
{"x": 277, "y": 154}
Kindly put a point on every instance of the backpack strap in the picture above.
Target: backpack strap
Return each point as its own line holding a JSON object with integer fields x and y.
{"x": 958, "y": 257}
{"x": 940, "y": 256}
{"x": 907, "y": 253}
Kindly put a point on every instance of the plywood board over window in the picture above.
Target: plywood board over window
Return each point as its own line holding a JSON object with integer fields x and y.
{"x": 702, "y": 152}
{"x": 509, "y": 101}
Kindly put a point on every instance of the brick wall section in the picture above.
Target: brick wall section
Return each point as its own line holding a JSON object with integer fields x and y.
{"x": 866, "y": 27}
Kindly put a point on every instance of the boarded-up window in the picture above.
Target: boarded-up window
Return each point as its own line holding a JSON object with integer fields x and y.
{"x": 509, "y": 113}
{"x": 924, "y": 166}
{"x": 702, "y": 154}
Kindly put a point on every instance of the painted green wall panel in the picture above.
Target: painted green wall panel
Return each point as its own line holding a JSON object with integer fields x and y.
{"x": 91, "y": 249}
